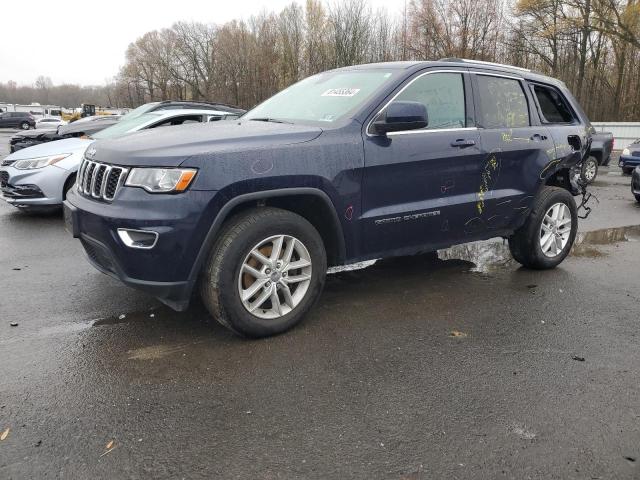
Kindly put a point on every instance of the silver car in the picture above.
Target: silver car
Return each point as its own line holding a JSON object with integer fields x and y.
{"x": 38, "y": 177}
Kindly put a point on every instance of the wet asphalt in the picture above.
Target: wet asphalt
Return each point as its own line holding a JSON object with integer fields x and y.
{"x": 461, "y": 367}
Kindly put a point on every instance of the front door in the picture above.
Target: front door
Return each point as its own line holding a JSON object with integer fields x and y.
{"x": 419, "y": 186}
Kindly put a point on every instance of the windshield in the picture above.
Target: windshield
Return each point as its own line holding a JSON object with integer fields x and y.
{"x": 326, "y": 97}
{"x": 125, "y": 125}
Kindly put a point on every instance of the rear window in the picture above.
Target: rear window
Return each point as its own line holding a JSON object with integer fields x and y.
{"x": 553, "y": 108}
{"x": 503, "y": 103}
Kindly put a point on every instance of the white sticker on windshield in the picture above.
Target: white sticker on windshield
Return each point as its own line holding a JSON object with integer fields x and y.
{"x": 341, "y": 92}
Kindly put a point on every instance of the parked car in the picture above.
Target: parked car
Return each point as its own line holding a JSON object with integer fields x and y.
{"x": 88, "y": 125}
{"x": 635, "y": 183}
{"x": 83, "y": 127}
{"x": 49, "y": 123}
{"x": 599, "y": 154}
{"x": 630, "y": 157}
{"x": 352, "y": 164}
{"x": 39, "y": 177}
{"x": 23, "y": 120}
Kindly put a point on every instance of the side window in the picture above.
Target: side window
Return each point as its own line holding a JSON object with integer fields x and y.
{"x": 443, "y": 95}
{"x": 215, "y": 118}
{"x": 553, "y": 107}
{"x": 178, "y": 121}
{"x": 503, "y": 103}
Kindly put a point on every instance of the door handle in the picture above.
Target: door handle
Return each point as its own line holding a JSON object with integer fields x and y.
{"x": 536, "y": 137}
{"x": 462, "y": 143}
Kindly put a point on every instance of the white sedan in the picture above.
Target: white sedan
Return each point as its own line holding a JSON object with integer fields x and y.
{"x": 49, "y": 123}
{"x": 38, "y": 177}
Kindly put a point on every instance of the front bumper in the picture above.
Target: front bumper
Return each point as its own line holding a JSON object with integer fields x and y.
{"x": 628, "y": 161}
{"x": 42, "y": 187}
{"x": 164, "y": 271}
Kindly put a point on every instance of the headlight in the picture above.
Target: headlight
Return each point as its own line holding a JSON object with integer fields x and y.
{"x": 161, "y": 180}
{"x": 39, "y": 162}
{"x": 626, "y": 152}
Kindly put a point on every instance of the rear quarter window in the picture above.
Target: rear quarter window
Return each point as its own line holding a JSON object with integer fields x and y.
{"x": 552, "y": 105}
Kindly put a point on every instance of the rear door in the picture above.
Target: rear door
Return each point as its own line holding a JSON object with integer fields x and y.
{"x": 516, "y": 148}
{"x": 556, "y": 113}
{"x": 419, "y": 185}
{"x": 4, "y": 119}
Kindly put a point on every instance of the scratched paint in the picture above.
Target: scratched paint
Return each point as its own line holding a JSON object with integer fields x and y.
{"x": 489, "y": 176}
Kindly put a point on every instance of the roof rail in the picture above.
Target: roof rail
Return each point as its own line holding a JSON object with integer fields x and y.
{"x": 202, "y": 102}
{"x": 480, "y": 62}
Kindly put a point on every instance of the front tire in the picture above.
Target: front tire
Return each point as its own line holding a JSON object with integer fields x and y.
{"x": 627, "y": 171}
{"x": 265, "y": 272}
{"x": 25, "y": 126}
{"x": 589, "y": 170}
{"x": 547, "y": 236}
{"x": 637, "y": 198}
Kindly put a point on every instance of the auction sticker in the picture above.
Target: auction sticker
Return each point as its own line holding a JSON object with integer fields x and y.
{"x": 341, "y": 92}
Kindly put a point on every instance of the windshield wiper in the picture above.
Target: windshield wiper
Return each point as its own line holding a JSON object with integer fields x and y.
{"x": 268, "y": 119}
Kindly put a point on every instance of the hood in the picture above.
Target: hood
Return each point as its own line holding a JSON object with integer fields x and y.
{"x": 30, "y": 133}
{"x": 170, "y": 146}
{"x": 68, "y": 145}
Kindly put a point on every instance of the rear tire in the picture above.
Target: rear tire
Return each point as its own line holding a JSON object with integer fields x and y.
{"x": 232, "y": 272}
{"x": 589, "y": 170}
{"x": 542, "y": 247}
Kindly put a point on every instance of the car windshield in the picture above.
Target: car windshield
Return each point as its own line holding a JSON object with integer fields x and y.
{"x": 325, "y": 98}
{"x": 125, "y": 125}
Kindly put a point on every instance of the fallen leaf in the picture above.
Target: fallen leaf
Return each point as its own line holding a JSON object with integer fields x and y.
{"x": 5, "y": 434}
{"x": 456, "y": 333}
{"x": 110, "y": 445}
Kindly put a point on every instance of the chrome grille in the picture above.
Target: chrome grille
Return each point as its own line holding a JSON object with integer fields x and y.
{"x": 100, "y": 180}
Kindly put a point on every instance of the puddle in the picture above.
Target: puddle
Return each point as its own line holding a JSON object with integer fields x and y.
{"x": 587, "y": 243}
{"x": 486, "y": 256}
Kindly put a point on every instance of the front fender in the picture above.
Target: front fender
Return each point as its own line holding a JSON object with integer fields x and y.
{"x": 224, "y": 202}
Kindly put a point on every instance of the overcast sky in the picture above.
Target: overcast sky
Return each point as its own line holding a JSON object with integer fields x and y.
{"x": 83, "y": 41}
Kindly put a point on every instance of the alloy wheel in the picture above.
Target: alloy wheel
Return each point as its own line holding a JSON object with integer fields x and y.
{"x": 555, "y": 230}
{"x": 590, "y": 170}
{"x": 275, "y": 276}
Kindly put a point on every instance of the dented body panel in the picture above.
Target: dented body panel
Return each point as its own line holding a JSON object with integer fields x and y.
{"x": 391, "y": 194}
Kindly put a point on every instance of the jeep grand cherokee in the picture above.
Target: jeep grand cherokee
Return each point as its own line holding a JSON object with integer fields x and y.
{"x": 352, "y": 164}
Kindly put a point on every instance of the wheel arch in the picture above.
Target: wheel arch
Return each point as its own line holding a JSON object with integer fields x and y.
{"x": 311, "y": 203}
{"x": 68, "y": 183}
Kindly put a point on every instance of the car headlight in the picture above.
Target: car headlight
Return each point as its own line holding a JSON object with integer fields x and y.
{"x": 626, "y": 152}
{"x": 39, "y": 162}
{"x": 161, "y": 180}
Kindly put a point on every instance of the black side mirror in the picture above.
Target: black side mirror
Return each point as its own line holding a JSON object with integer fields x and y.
{"x": 401, "y": 116}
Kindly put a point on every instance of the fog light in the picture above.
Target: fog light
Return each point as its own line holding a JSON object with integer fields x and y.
{"x": 138, "y": 238}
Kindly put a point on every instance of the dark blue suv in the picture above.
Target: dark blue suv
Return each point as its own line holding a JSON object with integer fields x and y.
{"x": 352, "y": 164}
